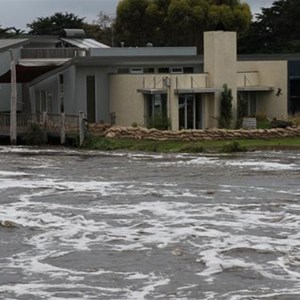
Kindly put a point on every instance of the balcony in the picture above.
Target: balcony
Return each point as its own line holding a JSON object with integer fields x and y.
{"x": 250, "y": 82}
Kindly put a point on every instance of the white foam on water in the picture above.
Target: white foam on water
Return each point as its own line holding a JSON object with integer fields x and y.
{"x": 127, "y": 217}
{"x": 153, "y": 282}
{"x": 262, "y": 165}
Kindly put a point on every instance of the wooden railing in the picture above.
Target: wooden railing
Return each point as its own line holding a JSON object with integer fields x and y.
{"x": 57, "y": 124}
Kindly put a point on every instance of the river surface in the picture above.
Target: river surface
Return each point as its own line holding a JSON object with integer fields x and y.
{"x": 133, "y": 226}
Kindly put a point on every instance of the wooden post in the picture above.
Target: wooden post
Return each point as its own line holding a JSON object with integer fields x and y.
{"x": 82, "y": 129}
{"x": 13, "y": 99}
{"x": 63, "y": 129}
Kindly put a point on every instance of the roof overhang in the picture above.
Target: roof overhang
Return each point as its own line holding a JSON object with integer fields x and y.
{"x": 257, "y": 88}
{"x": 25, "y": 74}
{"x": 198, "y": 91}
{"x": 152, "y": 91}
{"x": 43, "y": 62}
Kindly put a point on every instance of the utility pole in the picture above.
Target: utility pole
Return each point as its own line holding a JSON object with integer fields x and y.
{"x": 13, "y": 99}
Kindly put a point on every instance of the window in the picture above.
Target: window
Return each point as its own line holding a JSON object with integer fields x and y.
{"x": 188, "y": 70}
{"x": 190, "y": 111}
{"x": 136, "y": 70}
{"x": 43, "y": 102}
{"x": 156, "y": 107}
{"x": 177, "y": 70}
{"x": 148, "y": 70}
{"x": 249, "y": 106}
{"x": 163, "y": 70}
{"x": 123, "y": 71}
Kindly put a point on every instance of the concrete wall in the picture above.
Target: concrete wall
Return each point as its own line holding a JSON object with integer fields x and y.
{"x": 220, "y": 62}
{"x": 248, "y": 78}
{"x": 125, "y": 101}
{"x": 273, "y": 74}
{"x": 129, "y": 105}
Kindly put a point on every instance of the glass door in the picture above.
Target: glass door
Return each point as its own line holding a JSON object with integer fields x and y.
{"x": 190, "y": 111}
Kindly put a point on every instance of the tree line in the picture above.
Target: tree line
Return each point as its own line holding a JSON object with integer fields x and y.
{"x": 182, "y": 23}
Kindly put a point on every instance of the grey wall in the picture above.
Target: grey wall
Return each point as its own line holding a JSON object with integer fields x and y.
{"x": 51, "y": 86}
{"x": 69, "y": 90}
{"x": 102, "y": 91}
{"x": 5, "y": 93}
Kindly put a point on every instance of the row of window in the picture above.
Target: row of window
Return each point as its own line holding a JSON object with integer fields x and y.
{"x": 164, "y": 70}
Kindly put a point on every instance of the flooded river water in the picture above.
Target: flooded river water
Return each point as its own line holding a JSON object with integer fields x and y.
{"x": 133, "y": 226}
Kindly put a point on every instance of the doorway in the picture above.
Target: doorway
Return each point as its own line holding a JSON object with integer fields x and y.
{"x": 91, "y": 98}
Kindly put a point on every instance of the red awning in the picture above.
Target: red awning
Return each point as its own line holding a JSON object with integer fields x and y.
{"x": 26, "y": 74}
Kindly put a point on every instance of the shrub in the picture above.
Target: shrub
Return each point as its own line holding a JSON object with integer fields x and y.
{"x": 242, "y": 110}
{"x": 159, "y": 122}
{"x": 34, "y": 135}
{"x": 192, "y": 148}
{"x": 295, "y": 119}
{"x": 226, "y": 108}
{"x": 262, "y": 121}
{"x": 233, "y": 146}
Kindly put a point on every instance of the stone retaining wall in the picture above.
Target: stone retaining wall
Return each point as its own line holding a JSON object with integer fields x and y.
{"x": 194, "y": 135}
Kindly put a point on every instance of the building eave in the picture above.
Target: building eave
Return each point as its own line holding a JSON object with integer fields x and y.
{"x": 257, "y": 88}
{"x": 198, "y": 91}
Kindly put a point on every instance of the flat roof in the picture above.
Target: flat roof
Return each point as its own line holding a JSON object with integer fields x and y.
{"x": 145, "y": 51}
{"x": 137, "y": 61}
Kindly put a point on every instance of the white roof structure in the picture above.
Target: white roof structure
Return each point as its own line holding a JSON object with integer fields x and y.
{"x": 84, "y": 43}
{"x": 8, "y": 43}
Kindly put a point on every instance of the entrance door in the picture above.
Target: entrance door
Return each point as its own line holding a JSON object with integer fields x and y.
{"x": 91, "y": 98}
{"x": 190, "y": 111}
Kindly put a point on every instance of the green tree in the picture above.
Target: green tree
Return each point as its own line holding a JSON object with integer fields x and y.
{"x": 101, "y": 29}
{"x": 274, "y": 30}
{"x": 132, "y": 23}
{"x": 177, "y": 22}
{"x": 10, "y": 32}
{"x": 53, "y": 25}
{"x": 226, "y": 108}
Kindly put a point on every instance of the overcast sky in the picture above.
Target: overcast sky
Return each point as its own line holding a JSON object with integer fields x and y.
{"x": 20, "y": 12}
